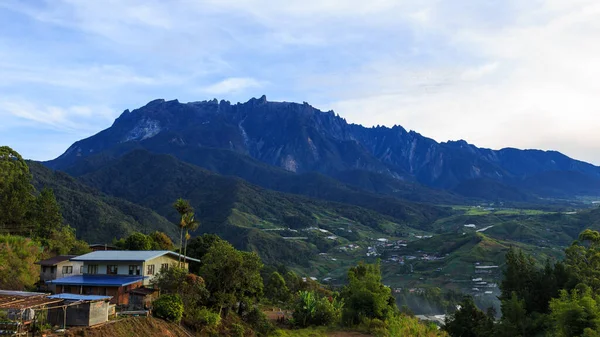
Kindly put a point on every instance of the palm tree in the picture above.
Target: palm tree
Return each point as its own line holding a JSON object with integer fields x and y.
{"x": 191, "y": 224}
{"x": 182, "y": 207}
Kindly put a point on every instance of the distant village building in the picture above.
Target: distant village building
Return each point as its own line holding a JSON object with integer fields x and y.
{"x": 116, "y": 273}
{"x": 58, "y": 267}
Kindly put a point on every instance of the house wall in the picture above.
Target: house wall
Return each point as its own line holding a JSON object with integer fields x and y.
{"x": 123, "y": 266}
{"x": 120, "y": 295}
{"x": 157, "y": 263}
{"x": 86, "y": 314}
{"x": 54, "y": 272}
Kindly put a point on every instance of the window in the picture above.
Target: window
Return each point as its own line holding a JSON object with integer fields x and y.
{"x": 164, "y": 267}
{"x": 67, "y": 270}
{"x": 134, "y": 270}
{"x": 43, "y": 269}
{"x": 66, "y": 289}
{"x": 112, "y": 269}
{"x": 150, "y": 269}
{"x": 92, "y": 269}
{"x": 81, "y": 269}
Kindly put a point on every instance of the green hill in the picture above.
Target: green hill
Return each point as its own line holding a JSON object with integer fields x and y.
{"x": 98, "y": 218}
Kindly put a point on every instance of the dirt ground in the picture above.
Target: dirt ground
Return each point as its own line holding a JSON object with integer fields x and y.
{"x": 134, "y": 326}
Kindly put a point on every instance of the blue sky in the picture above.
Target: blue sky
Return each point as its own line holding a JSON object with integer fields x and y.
{"x": 496, "y": 73}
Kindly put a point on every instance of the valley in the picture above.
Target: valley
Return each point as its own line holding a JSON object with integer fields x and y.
{"x": 436, "y": 215}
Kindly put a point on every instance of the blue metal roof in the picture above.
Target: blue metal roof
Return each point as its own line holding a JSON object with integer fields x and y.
{"x": 98, "y": 280}
{"x": 76, "y": 297}
{"x": 127, "y": 255}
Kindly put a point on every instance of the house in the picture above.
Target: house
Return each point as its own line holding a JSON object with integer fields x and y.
{"x": 101, "y": 246}
{"x": 79, "y": 310}
{"x": 116, "y": 272}
{"x": 58, "y": 267}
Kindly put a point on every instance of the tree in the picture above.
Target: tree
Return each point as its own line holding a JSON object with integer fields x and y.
{"x": 47, "y": 214}
{"x": 469, "y": 321}
{"x": 191, "y": 224}
{"x": 178, "y": 281}
{"x": 18, "y": 255}
{"x": 16, "y": 192}
{"x": 583, "y": 260}
{"x": 276, "y": 289}
{"x": 161, "y": 241}
{"x": 182, "y": 207}
{"x": 199, "y": 246}
{"x": 366, "y": 296}
{"x": 232, "y": 277}
{"x": 138, "y": 241}
{"x": 577, "y": 313}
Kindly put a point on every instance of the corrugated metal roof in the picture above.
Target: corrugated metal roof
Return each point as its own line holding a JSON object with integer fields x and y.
{"x": 55, "y": 260}
{"x": 23, "y": 300}
{"x": 127, "y": 255}
{"x": 98, "y": 280}
{"x": 77, "y": 297}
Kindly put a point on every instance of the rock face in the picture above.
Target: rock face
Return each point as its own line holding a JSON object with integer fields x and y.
{"x": 301, "y": 138}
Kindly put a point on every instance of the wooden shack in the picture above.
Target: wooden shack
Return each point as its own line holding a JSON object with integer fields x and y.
{"x": 80, "y": 310}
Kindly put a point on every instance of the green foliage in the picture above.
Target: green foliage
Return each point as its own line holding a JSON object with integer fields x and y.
{"x": 160, "y": 241}
{"x": 276, "y": 290}
{"x": 577, "y": 313}
{"x": 583, "y": 260}
{"x": 403, "y": 325}
{"x": 16, "y": 193}
{"x": 189, "y": 287}
{"x": 168, "y": 307}
{"x": 96, "y": 217}
{"x": 202, "y": 319}
{"x": 139, "y": 241}
{"x": 231, "y": 277}
{"x": 18, "y": 255}
{"x": 365, "y": 296}
{"x": 47, "y": 213}
{"x": 237, "y": 330}
{"x": 311, "y": 309}
{"x": 469, "y": 321}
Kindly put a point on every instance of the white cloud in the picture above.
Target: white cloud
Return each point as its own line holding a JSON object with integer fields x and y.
{"x": 231, "y": 85}
{"x": 496, "y": 73}
{"x": 73, "y": 119}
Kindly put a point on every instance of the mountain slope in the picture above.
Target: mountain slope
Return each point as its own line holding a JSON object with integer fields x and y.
{"x": 313, "y": 184}
{"x": 244, "y": 214}
{"x": 97, "y": 218}
{"x": 300, "y": 138}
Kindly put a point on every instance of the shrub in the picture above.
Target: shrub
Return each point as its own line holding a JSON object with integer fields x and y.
{"x": 310, "y": 309}
{"x": 237, "y": 330}
{"x": 259, "y": 322}
{"x": 202, "y": 319}
{"x": 168, "y": 307}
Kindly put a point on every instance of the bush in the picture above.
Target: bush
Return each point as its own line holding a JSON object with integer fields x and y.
{"x": 202, "y": 320}
{"x": 237, "y": 330}
{"x": 168, "y": 307}
{"x": 310, "y": 309}
{"x": 259, "y": 322}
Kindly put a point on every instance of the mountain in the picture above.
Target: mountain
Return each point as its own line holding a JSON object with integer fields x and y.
{"x": 250, "y": 217}
{"x": 97, "y": 217}
{"x": 301, "y": 139}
